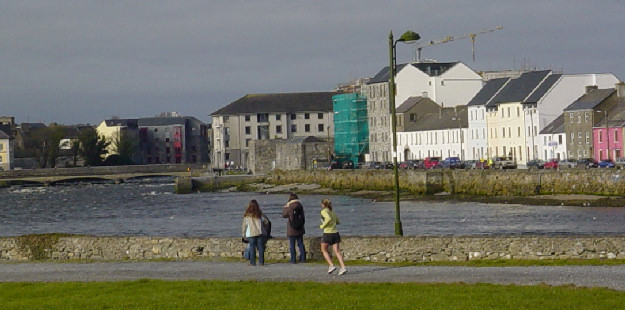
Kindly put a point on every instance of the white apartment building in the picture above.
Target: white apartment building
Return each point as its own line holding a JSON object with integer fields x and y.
{"x": 268, "y": 116}
{"x": 552, "y": 140}
{"x": 477, "y": 136}
{"x": 448, "y": 84}
{"x": 442, "y": 134}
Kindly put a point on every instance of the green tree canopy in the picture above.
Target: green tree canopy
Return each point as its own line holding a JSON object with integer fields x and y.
{"x": 92, "y": 147}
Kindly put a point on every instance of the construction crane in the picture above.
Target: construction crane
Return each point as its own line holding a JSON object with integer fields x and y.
{"x": 452, "y": 38}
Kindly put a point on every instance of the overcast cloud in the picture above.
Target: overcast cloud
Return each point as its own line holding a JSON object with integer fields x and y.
{"x": 85, "y": 61}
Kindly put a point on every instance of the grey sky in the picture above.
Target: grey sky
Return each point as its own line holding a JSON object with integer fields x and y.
{"x": 85, "y": 61}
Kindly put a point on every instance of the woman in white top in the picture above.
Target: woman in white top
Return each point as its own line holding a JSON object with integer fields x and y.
{"x": 252, "y": 230}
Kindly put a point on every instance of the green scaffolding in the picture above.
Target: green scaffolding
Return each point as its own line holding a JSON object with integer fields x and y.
{"x": 351, "y": 129}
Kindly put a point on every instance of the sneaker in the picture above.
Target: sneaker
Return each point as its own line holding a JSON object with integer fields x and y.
{"x": 331, "y": 269}
{"x": 342, "y": 271}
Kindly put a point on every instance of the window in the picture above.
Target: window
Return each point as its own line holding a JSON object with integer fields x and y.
{"x": 247, "y": 142}
{"x": 586, "y": 117}
{"x": 579, "y": 117}
{"x": 278, "y": 129}
{"x": 307, "y": 128}
{"x": 616, "y": 136}
{"x": 248, "y": 130}
{"x": 278, "y": 117}
{"x": 166, "y": 139}
{"x": 442, "y": 83}
{"x": 306, "y": 115}
{"x": 293, "y": 116}
{"x": 247, "y": 118}
{"x": 413, "y": 117}
{"x": 262, "y": 117}
{"x": 293, "y": 128}
{"x": 320, "y": 127}
{"x": 571, "y": 115}
{"x": 320, "y": 115}
{"x": 226, "y": 119}
{"x": 1, "y": 146}
{"x": 519, "y": 130}
{"x": 600, "y": 135}
{"x": 587, "y": 137}
{"x": 155, "y": 129}
{"x": 167, "y": 150}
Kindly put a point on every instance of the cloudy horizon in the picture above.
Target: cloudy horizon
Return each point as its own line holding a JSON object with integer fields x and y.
{"x": 85, "y": 61}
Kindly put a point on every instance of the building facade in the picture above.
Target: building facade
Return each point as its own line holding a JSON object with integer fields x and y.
{"x": 173, "y": 140}
{"x": 112, "y": 129}
{"x": 6, "y": 151}
{"x": 268, "y": 116}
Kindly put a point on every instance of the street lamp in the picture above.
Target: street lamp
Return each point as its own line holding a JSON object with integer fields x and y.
{"x": 407, "y": 37}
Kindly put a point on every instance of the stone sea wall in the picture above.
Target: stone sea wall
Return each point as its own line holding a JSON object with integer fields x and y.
{"x": 471, "y": 182}
{"x": 375, "y": 249}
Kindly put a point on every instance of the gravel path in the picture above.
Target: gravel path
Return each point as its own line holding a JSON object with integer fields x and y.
{"x": 588, "y": 276}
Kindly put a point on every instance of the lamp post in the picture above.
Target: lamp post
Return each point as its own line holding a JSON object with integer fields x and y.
{"x": 407, "y": 37}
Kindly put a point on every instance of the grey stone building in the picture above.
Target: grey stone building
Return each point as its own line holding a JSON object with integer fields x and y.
{"x": 268, "y": 116}
{"x": 299, "y": 153}
{"x": 173, "y": 140}
{"x": 580, "y": 117}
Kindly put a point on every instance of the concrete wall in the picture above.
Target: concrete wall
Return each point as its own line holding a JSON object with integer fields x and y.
{"x": 470, "y": 182}
{"x": 376, "y": 249}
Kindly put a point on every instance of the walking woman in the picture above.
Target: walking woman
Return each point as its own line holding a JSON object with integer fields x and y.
{"x": 252, "y": 230}
{"x": 331, "y": 236}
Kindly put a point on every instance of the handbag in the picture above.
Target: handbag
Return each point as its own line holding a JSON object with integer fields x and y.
{"x": 244, "y": 240}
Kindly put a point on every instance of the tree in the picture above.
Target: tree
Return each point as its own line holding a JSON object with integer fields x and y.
{"x": 125, "y": 145}
{"x": 75, "y": 151}
{"x": 92, "y": 147}
{"x": 44, "y": 144}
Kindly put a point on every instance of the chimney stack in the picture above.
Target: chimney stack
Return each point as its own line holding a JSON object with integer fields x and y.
{"x": 591, "y": 88}
{"x": 620, "y": 89}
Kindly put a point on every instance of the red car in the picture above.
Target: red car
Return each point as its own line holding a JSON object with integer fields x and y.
{"x": 431, "y": 162}
{"x": 551, "y": 164}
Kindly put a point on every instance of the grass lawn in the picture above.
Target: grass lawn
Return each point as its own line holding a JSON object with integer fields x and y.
{"x": 156, "y": 294}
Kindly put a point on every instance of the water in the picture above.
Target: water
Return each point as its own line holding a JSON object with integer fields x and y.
{"x": 150, "y": 208}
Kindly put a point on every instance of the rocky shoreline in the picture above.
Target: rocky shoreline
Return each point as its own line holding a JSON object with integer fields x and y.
{"x": 546, "y": 200}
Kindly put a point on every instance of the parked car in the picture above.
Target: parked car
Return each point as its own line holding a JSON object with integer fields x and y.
{"x": 568, "y": 163}
{"x": 452, "y": 163}
{"x": 470, "y": 164}
{"x": 410, "y": 164}
{"x": 482, "y": 164}
{"x": 535, "y": 164}
{"x": 371, "y": 165}
{"x": 386, "y": 165}
{"x": 551, "y": 164}
{"x": 431, "y": 162}
{"x": 504, "y": 163}
{"x": 585, "y": 163}
{"x": 606, "y": 163}
{"x": 619, "y": 163}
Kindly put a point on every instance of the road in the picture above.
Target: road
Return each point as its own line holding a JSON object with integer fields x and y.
{"x": 587, "y": 276}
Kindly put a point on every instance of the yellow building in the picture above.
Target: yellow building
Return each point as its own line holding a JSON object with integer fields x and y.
{"x": 6, "y": 151}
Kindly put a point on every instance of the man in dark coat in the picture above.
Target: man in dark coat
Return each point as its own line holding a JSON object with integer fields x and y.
{"x": 295, "y": 234}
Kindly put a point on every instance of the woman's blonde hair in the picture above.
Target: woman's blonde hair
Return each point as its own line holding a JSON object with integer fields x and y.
{"x": 326, "y": 203}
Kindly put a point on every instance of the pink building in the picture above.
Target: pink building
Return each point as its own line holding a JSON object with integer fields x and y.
{"x": 612, "y": 145}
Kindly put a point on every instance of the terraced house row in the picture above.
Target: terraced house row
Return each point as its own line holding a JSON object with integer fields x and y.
{"x": 443, "y": 110}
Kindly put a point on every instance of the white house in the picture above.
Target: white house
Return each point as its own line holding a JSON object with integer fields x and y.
{"x": 477, "y": 138}
{"x": 441, "y": 134}
{"x": 449, "y": 84}
{"x": 552, "y": 140}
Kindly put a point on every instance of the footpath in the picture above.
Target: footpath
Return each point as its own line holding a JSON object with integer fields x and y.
{"x": 586, "y": 276}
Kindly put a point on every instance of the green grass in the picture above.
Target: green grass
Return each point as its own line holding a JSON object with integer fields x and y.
{"x": 156, "y": 294}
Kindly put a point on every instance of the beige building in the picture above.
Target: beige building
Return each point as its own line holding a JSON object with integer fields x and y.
{"x": 110, "y": 129}
{"x": 268, "y": 116}
{"x": 6, "y": 151}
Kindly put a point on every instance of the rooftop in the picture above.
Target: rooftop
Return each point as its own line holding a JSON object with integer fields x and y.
{"x": 279, "y": 103}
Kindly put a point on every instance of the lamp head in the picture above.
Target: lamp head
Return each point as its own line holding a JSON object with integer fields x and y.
{"x": 409, "y": 37}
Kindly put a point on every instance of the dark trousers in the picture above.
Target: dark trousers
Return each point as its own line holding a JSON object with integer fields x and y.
{"x": 257, "y": 243}
{"x": 300, "y": 245}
